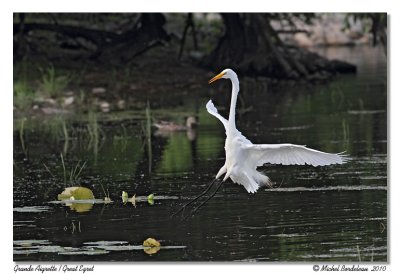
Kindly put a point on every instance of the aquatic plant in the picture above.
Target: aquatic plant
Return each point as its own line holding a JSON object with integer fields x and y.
{"x": 52, "y": 84}
{"x": 346, "y": 133}
{"x": 22, "y": 136}
{"x": 150, "y": 199}
{"x": 147, "y": 133}
{"x": 106, "y": 195}
{"x": 93, "y": 130}
{"x": 63, "y": 165}
{"x": 151, "y": 246}
{"x": 23, "y": 90}
{"x": 76, "y": 193}
{"x": 23, "y": 95}
{"x": 151, "y": 242}
{"x": 74, "y": 173}
{"x": 124, "y": 197}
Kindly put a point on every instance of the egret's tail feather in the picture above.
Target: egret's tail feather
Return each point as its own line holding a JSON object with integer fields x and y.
{"x": 263, "y": 180}
{"x": 251, "y": 182}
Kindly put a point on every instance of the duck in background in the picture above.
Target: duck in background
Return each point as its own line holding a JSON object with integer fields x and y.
{"x": 166, "y": 128}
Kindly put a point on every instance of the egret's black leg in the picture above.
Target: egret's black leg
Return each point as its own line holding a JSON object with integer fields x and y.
{"x": 212, "y": 195}
{"x": 198, "y": 197}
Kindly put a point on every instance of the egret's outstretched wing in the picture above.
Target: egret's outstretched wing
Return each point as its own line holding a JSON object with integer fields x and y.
{"x": 289, "y": 154}
{"x": 213, "y": 111}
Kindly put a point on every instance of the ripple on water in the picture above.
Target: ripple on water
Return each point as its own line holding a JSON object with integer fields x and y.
{"x": 32, "y": 209}
{"x": 328, "y": 188}
{"x": 89, "y": 248}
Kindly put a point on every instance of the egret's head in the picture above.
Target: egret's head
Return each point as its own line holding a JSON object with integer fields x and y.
{"x": 226, "y": 74}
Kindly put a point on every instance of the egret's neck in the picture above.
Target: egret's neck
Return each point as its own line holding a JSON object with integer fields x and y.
{"x": 235, "y": 92}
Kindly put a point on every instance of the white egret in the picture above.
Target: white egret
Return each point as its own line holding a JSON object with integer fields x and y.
{"x": 243, "y": 157}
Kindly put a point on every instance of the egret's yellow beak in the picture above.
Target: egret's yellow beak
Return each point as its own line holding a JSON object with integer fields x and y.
{"x": 217, "y": 77}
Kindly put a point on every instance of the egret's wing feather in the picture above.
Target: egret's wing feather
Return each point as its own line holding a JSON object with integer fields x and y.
{"x": 289, "y": 154}
{"x": 213, "y": 111}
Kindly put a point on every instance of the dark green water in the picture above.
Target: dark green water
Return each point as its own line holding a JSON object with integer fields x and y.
{"x": 333, "y": 213}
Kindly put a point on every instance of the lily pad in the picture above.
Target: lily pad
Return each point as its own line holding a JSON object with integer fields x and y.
{"x": 80, "y": 207}
{"x": 124, "y": 197}
{"x": 150, "y": 199}
{"x": 151, "y": 250}
{"x": 76, "y": 193}
{"x": 151, "y": 242}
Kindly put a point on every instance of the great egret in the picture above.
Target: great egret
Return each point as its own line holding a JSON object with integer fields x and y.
{"x": 243, "y": 157}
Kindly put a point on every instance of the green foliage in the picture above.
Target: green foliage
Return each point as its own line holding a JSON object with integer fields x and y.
{"x": 93, "y": 127}
{"x": 23, "y": 95}
{"x": 74, "y": 173}
{"x": 52, "y": 84}
{"x": 150, "y": 199}
{"x": 125, "y": 197}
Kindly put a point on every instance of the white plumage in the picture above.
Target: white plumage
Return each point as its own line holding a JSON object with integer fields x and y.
{"x": 243, "y": 157}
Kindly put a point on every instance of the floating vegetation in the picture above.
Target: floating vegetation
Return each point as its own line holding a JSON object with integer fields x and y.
{"x": 151, "y": 242}
{"x": 151, "y": 246}
{"x": 76, "y": 193}
{"x": 151, "y": 250}
{"x": 81, "y": 199}
{"x": 150, "y": 199}
{"x": 93, "y": 201}
{"x": 80, "y": 205}
{"x": 124, "y": 197}
{"x": 154, "y": 197}
{"x": 83, "y": 194}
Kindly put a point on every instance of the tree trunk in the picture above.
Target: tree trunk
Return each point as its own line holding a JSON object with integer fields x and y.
{"x": 231, "y": 47}
{"x": 251, "y": 46}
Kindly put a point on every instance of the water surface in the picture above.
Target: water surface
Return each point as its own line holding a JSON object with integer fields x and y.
{"x": 333, "y": 213}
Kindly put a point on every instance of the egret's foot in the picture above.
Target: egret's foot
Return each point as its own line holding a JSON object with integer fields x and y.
{"x": 196, "y": 198}
{"x": 212, "y": 195}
